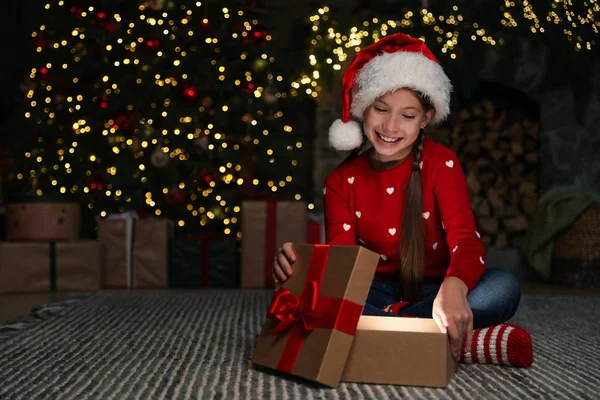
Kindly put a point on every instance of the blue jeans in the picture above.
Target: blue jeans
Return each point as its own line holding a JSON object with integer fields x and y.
{"x": 493, "y": 301}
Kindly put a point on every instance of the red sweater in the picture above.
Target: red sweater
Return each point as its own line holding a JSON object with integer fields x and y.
{"x": 364, "y": 207}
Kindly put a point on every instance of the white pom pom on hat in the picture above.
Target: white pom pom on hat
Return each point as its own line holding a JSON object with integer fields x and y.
{"x": 345, "y": 135}
{"x": 396, "y": 61}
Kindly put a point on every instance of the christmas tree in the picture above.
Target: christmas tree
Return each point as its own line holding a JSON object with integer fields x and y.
{"x": 175, "y": 108}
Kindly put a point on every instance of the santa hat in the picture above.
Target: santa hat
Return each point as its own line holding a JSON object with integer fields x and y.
{"x": 394, "y": 62}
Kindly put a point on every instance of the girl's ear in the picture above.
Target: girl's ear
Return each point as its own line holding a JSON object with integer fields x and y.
{"x": 427, "y": 118}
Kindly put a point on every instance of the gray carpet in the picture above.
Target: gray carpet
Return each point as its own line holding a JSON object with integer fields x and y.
{"x": 198, "y": 345}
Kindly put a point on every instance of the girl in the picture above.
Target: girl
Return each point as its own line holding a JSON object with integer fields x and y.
{"x": 406, "y": 198}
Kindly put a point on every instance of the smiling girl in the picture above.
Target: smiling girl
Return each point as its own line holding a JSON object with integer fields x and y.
{"x": 405, "y": 197}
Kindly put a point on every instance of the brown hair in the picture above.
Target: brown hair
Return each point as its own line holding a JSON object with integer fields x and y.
{"x": 412, "y": 245}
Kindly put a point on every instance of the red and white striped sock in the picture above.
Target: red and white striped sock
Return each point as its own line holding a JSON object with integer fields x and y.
{"x": 504, "y": 344}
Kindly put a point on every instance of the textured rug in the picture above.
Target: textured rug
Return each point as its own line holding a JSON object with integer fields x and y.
{"x": 188, "y": 345}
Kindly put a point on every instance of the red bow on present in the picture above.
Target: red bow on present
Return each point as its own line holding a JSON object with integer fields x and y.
{"x": 290, "y": 309}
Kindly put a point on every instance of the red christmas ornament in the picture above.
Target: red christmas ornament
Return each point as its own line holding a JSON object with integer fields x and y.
{"x": 97, "y": 183}
{"x": 101, "y": 15}
{"x": 77, "y": 12}
{"x": 256, "y": 36}
{"x": 190, "y": 92}
{"x": 104, "y": 102}
{"x": 44, "y": 72}
{"x": 175, "y": 196}
{"x": 153, "y": 44}
{"x": 206, "y": 179}
{"x": 248, "y": 87}
{"x": 125, "y": 121}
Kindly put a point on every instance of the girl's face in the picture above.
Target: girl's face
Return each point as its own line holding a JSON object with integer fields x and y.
{"x": 392, "y": 124}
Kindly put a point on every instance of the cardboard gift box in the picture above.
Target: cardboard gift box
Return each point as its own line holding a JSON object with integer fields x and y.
{"x": 312, "y": 318}
{"x": 136, "y": 251}
{"x": 266, "y": 225}
{"x": 203, "y": 262}
{"x": 399, "y": 351}
{"x": 27, "y": 267}
{"x": 314, "y": 328}
{"x": 43, "y": 221}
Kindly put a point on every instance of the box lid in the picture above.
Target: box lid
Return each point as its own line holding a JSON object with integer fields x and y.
{"x": 310, "y": 324}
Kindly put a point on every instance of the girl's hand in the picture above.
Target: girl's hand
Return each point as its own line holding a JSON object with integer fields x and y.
{"x": 453, "y": 315}
{"x": 282, "y": 269}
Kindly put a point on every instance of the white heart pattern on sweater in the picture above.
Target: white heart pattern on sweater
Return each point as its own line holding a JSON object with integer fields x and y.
{"x": 450, "y": 163}
{"x": 347, "y": 227}
{"x": 392, "y": 231}
{"x": 358, "y": 214}
{"x": 426, "y": 215}
{"x": 435, "y": 245}
{"x": 390, "y": 190}
{"x": 351, "y": 180}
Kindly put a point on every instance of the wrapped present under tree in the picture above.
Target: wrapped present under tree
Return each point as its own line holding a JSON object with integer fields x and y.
{"x": 44, "y": 219}
{"x": 136, "y": 251}
{"x": 266, "y": 225}
{"x": 204, "y": 262}
{"x": 27, "y": 267}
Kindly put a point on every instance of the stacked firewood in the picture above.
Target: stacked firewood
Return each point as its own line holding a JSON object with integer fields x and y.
{"x": 500, "y": 155}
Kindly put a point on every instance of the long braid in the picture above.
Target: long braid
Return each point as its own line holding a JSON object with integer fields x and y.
{"x": 412, "y": 245}
{"x": 418, "y": 152}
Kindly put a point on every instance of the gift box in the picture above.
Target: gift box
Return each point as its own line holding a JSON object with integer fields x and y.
{"x": 203, "y": 262}
{"x": 312, "y": 318}
{"x": 399, "y": 351}
{"x": 266, "y": 225}
{"x": 43, "y": 221}
{"x": 27, "y": 267}
{"x": 314, "y": 328}
{"x": 136, "y": 251}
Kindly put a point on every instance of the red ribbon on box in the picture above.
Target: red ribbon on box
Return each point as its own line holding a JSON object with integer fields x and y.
{"x": 205, "y": 261}
{"x": 314, "y": 233}
{"x": 270, "y": 241}
{"x": 307, "y": 312}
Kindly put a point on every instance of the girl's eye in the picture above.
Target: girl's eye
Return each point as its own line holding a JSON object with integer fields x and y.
{"x": 409, "y": 116}
{"x": 379, "y": 109}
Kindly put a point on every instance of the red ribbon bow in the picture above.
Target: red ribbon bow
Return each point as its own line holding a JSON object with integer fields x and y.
{"x": 290, "y": 309}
